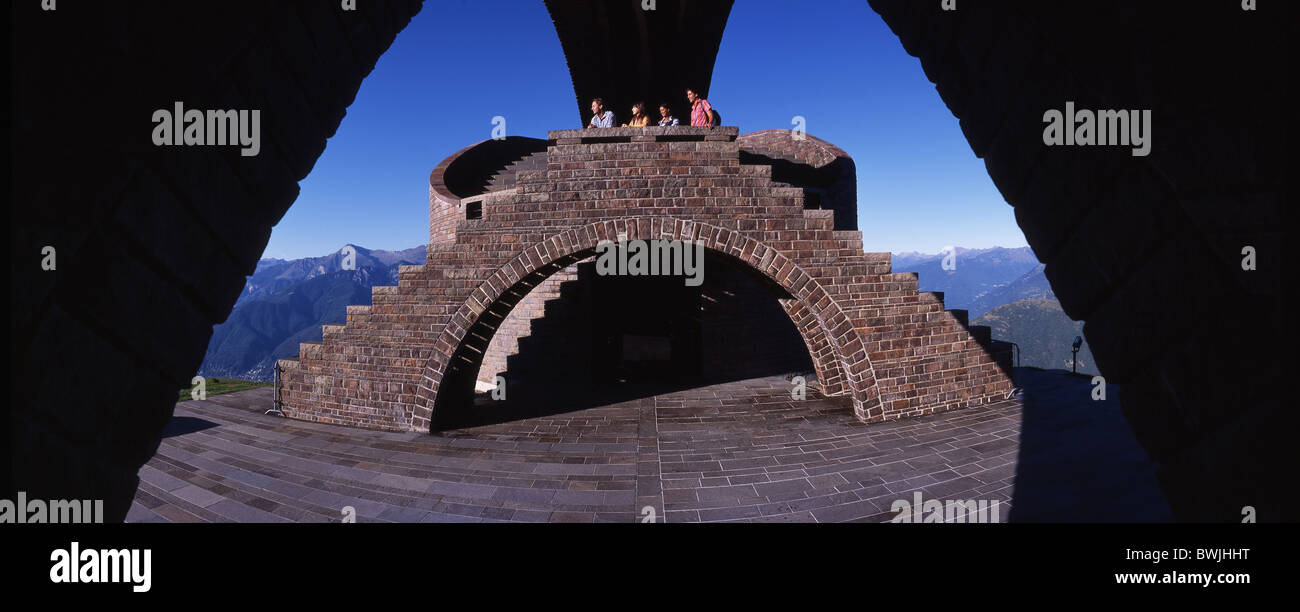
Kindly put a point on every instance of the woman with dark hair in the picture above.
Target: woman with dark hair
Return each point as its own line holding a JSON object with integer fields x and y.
{"x": 639, "y": 118}
{"x": 667, "y": 116}
{"x": 701, "y": 110}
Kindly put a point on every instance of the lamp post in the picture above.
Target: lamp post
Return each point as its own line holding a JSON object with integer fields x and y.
{"x": 1074, "y": 363}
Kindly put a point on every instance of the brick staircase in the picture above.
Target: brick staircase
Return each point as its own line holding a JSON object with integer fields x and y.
{"x": 872, "y": 336}
{"x": 505, "y": 178}
{"x": 554, "y": 297}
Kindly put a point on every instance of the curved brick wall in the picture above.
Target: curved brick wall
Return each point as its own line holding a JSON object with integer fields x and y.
{"x": 803, "y": 160}
{"x": 469, "y": 172}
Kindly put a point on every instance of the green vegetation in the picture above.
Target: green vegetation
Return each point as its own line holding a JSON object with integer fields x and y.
{"x": 217, "y": 386}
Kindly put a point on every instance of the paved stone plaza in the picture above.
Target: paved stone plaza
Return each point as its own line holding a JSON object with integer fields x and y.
{"x": 740, "y": 451}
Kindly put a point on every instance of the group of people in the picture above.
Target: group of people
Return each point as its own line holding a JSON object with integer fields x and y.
{"x": 701, "y": 114}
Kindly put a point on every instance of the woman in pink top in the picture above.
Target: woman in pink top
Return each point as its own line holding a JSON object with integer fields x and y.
{"x": 701, "y": 110}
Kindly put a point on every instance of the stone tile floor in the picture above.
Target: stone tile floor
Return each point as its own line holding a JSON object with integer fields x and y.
{"x": 739, "y": 451}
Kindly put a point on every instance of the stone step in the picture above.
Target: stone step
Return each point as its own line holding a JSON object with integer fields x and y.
{"x": 533, "y": 336}
{"x": 507, "y": 177}
{"x": 868, "y": 308}
{"x": 879, "y": 257}
{"x": 311, "y": 350}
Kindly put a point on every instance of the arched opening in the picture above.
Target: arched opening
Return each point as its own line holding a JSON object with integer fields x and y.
{"x": 448, "y": 381}
{"x": 581, "y": 339}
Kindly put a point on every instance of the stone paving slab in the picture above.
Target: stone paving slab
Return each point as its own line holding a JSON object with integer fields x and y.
{"x": 734, "y": 452}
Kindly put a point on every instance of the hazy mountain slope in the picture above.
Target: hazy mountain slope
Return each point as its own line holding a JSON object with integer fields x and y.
{"x": 978, "y": 272}
{"x": 287, "y": 301}
{"x": 272, "y": 275}
{"x": 1043, "y": 332}
{"x": 1033, "y": 284}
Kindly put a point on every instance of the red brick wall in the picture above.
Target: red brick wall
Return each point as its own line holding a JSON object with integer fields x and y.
{"x": 443, "y": 215}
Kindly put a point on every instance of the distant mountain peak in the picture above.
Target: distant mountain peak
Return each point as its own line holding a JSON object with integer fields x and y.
{"x": 982, "y": 278}
{"x": 962, "y": 251}
{"x": 285, "y": 302}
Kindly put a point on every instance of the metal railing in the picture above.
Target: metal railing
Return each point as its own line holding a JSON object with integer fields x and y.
{"x": 1014, "y": 387}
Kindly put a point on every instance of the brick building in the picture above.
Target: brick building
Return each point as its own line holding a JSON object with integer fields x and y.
{"x": 510, "y": 220}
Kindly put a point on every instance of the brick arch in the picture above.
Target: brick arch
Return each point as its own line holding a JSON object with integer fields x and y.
{"x": 815, "y": 315}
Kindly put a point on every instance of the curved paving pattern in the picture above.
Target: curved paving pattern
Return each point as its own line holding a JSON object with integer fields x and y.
{"x": 741, "y": 451}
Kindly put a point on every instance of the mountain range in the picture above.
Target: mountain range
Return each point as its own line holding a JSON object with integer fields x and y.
{"x": 1006, "y": 290}
{"x": 272, "y": 275}
{"x": 980, "y": 279}
{"x": 285, "y": 302}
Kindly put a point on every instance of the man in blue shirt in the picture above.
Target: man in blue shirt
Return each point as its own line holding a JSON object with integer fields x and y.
{"x": 600, "y": 118}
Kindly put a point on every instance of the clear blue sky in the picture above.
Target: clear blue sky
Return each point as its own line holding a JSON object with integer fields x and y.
{"x": 920, "y": 187}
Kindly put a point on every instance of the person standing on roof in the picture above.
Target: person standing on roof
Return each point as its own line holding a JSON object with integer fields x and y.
{"x": 600, "y": 118}
{"x": 639, "y": 118}
{"x": 667, "y": 116}
{"x": 701, "y": 110}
